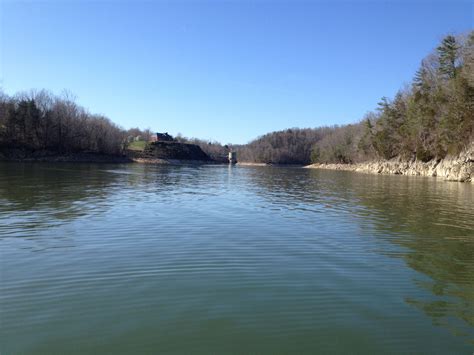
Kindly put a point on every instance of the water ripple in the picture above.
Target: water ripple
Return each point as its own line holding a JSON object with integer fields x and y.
{"x": 217, "y": 259}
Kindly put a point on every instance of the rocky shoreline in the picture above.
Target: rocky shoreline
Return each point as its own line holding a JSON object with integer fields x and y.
{"x": 452, "y": 168}
{"x": 252, "y": 164}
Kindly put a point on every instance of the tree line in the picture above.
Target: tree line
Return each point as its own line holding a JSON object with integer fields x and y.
{"x": 430, "y": 118}
{"x": 40, "y": 120}
{"x": 291, "y": 146}
{"x": 434, "y": 116}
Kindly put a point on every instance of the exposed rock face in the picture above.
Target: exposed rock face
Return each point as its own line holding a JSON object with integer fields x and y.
{"x": 452, "y": 168}
{"x": 173, "y": 150}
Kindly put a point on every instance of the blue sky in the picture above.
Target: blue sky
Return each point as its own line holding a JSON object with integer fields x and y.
{"x": 228, "y": 70}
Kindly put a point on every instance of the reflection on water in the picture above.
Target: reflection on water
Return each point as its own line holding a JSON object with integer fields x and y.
{"x": 433, "y": 221}
{"x": 142, "y": 258}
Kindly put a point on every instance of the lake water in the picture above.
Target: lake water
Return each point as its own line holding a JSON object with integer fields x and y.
{"x": 217, "y": 259}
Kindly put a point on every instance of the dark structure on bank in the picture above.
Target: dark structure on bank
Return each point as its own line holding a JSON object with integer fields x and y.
{"x": 166, "y": 147}
{"x": 164, "y": 137}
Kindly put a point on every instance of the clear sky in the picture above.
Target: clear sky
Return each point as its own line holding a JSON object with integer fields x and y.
{"x": 227, "y": 70}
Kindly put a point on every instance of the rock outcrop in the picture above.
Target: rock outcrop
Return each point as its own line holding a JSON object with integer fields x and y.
{"x": 171, "y": 151}
{"x": 452, "y": 168}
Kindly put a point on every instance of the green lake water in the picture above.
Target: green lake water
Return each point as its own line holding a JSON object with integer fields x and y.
{"x": 111, "y": 259}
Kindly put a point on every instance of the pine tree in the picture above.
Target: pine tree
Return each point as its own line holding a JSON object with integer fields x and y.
{"x": 447, "y": 56}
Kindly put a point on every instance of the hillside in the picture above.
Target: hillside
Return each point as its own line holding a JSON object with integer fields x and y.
{"x": 428, "y": 120}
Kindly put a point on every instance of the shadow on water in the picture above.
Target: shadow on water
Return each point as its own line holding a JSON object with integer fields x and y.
{"x": 47, "y": 195}
{"x": 431, "y": 223}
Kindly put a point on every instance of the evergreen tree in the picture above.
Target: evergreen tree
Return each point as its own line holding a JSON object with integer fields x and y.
{"x": 448, "y": 54}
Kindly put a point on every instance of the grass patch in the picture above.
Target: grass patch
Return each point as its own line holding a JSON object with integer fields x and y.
{"x": 138, "y": 145}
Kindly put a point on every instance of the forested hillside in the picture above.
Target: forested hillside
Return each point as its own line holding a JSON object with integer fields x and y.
{"x": 42, "y": 121}
{"x": 291, "y": 146}
{"x": 432, "y": 117}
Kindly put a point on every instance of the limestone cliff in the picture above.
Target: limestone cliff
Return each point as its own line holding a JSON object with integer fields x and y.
{"x": 452, "y": 168}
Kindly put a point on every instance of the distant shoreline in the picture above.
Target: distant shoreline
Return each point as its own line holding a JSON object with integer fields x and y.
{"x": 99, "y": 158}
{"x": 156, "y": 153}
{"x": 20, "y": 155}
{"x": 454, "y": 168}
